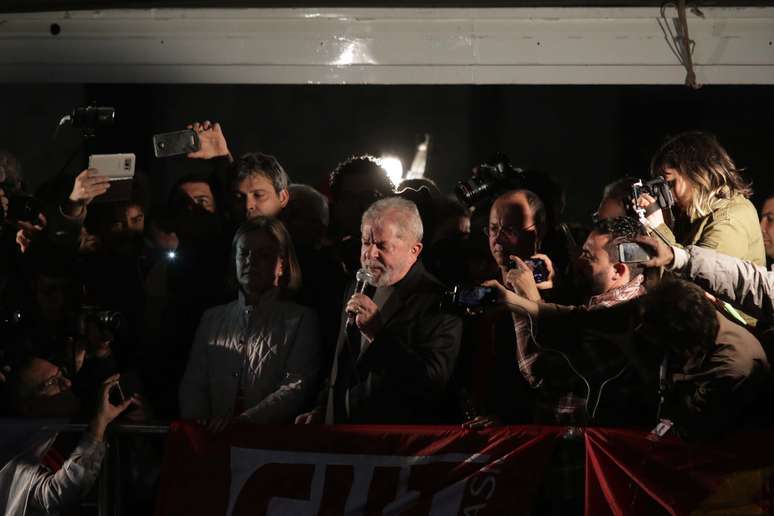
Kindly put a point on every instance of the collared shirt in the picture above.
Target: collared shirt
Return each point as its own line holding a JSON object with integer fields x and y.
{"x": 263, "y": 357}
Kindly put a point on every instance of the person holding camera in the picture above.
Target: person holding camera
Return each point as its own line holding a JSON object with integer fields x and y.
{"x": 578, "y": 358}
{"x": 46, "y": 477}
{"x": 711, "y": 198}
{"x": 517, "y": 224}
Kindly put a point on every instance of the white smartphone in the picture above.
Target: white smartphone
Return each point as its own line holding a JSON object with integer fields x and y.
{"x": 114, "y": 166}
{"x": 119, "y": 168}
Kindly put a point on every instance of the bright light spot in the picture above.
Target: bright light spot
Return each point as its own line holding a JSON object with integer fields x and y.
{"x": 171, "y": 255}
{"x": 394, "y": 168}
{"x": 353, "y": 52}
{"x": 347, "y": 56}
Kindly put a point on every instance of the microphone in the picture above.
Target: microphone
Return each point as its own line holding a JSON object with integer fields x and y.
{"x": 363, "y": 280}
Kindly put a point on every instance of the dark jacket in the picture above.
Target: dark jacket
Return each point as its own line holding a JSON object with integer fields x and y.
{"x": 402, "y": 376}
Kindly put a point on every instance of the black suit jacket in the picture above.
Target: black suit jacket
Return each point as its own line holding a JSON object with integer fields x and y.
{"x": 402, "y": 376}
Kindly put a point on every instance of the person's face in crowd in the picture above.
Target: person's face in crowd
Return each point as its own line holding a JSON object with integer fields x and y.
{"x": 135, "y": 219}
{"x": 200, "y": 193}
{"x": 595, "y": 265}
{"x": 49, "y": 393}
{"x": 53, "y": 296}
{"x": 611, "y": 209}
{"x": 767, "y": 226}
{"x": 511, "y": 229}
{"x": 355, "y": 194}
{"x": 258, "y": 264}
{"x": 384, "y": 251}
{"x": 255, "y": 195}
{"x": 681, "y": 187}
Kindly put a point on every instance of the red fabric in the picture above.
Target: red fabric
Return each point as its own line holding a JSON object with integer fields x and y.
{"x": 320, "y": 469}
{"x": 628, "y": 473}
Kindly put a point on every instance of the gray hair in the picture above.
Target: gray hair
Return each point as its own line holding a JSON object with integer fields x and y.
{"x": 309, "y": 198}
{"x": 408, "y": 221}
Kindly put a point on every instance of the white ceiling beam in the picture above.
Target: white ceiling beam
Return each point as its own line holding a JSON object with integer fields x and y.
{"x": 385, "y": 46}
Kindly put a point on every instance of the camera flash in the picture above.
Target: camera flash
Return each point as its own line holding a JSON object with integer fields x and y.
{"x": 171, "y": 255}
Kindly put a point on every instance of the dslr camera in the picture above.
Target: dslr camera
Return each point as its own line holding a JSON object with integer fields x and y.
{"x": 657, "y": 188}
{"x": 103, "y": 320}
{"x": 489, "y": 178}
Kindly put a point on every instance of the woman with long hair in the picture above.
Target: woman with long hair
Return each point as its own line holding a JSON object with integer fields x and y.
{"x": 711, "y": 196}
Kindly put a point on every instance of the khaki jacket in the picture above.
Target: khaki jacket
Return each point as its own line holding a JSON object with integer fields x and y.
{"x": 731, "y": 228}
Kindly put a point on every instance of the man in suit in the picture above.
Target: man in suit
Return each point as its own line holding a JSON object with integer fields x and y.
{"x": 393, "y": 362}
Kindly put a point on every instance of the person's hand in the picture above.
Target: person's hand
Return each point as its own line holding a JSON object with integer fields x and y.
{"x": 481, "y": 422}
{"x": 88, "y": 185}
{"x": 522, "y": 280}
{"x": 549, "y": 282}
{"x": 216, "y": 424}
{"x": 368, "y": 318}
{"x": 514, "y": 302}
{"x": 655, "y": 218}
{"x": 661, "y": 254}
{"x": 29, "y": 231}
{"x": 212, "y": 142}
{"x": 309, "y": 418}
{"x": 106, "y": 411}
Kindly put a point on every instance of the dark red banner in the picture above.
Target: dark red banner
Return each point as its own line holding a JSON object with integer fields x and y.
{"x": 628, "y": 473}
{"x": 320, "y": 469}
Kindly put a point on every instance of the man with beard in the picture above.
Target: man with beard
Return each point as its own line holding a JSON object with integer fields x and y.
{"x": 572, "y": 356}
{"x": 40, "y": 480}
{"x": 395, "y": 356}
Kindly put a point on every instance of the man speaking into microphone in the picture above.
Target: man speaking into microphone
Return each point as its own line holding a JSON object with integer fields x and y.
{"x": 396, "y": 348}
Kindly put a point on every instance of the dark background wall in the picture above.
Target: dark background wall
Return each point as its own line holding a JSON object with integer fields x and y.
{"x": 585, "y": 136}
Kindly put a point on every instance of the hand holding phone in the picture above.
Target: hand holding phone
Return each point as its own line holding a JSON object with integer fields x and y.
{"x": 88, "y": 185}
{"x": 175, "y": 143}
{"x": 632, "y": 252}
{"x": 212, "y": 141}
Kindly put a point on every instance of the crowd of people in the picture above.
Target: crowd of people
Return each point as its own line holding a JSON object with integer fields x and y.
{"x": 240, "y": 300}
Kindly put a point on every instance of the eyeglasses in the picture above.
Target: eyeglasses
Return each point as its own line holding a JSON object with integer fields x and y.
{"x": 58, "y": 380}
{"x": 493, "y": 231}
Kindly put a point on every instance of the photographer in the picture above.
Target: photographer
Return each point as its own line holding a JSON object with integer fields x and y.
{"x": 517, "y": 223}
{"x": 580, "y": 359}
{"x": 43, "y": 481}
{"x": 711, "y": 197}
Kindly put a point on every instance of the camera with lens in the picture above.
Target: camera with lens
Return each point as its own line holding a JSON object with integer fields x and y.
{"x": 490, "y": 178}
{"x": 103, "y": 320}
{"x": 538, "y": 266}
{"x": 469, "y": 300}
{"x": 91, "y": 118}
{"x": 657, "y": 188}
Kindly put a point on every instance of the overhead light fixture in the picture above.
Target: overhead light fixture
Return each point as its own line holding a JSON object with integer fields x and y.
{"x": 394, "y": 168}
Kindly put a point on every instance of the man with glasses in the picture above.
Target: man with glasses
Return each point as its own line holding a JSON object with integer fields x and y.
{"x": 517, "y": 224}
{"x": 39, "y": 480}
